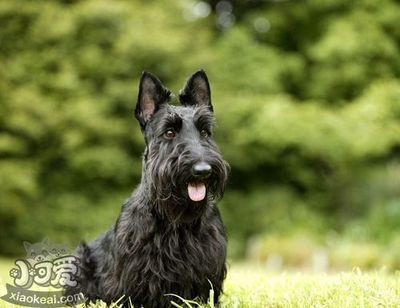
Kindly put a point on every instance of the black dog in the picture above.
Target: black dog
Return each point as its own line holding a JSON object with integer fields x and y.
{"x": 169, "y": 237}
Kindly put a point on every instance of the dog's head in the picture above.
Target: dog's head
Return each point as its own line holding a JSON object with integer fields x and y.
{"x": 182, "y": 164}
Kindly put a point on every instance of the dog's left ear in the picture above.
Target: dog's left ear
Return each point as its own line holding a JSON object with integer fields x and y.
{"x": 196, "y": 91}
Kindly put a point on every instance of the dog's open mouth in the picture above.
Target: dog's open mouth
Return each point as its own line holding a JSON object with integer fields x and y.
{"x": 196, "y": 191}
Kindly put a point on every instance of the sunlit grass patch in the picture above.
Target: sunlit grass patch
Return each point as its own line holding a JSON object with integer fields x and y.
{"x": 252, "y": 287}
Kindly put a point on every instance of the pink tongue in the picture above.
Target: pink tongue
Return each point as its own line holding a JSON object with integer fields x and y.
{"x": 196, "y": 191}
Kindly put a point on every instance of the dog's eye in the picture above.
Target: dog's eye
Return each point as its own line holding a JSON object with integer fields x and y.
{"x": 204, "y": 133}
{"x": 170, "y": 134}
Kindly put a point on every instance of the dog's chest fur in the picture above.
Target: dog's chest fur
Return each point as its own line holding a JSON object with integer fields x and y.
{"x": 162, "y": 258}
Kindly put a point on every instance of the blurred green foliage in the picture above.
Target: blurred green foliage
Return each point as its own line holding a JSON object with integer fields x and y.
{"x": 307, "y": 95}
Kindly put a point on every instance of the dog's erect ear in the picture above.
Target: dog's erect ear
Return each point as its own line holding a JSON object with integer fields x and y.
{"x": 196, "y": 91}
{"x": 152, "y": 94}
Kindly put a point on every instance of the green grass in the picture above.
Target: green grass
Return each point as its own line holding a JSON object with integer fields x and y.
{"x": 251, "y": 286}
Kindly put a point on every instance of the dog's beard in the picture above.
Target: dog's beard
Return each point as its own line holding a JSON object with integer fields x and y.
{"x": 176, "y": 192}
{"x": 176, "y": 201}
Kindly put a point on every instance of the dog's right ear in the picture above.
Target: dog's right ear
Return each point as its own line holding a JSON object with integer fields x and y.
{"x": 152, "y": 94}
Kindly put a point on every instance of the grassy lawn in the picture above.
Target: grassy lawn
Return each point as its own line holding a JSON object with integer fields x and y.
{"x": 250, "y": 286}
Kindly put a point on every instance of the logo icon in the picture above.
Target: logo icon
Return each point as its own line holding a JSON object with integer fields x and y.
{"x": 48, "y": 267}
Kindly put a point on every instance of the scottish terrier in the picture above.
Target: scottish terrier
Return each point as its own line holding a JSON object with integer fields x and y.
{"x": 169, "y": 240}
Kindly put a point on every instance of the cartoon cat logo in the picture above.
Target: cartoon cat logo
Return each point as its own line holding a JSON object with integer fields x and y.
{"x": 37, "y": 252}
{"x": 44, "y": 251}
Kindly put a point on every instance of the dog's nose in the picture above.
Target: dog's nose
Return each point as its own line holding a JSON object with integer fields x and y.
{"x": 201, "y": 170}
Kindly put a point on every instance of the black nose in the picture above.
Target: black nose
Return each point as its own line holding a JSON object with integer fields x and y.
{"x": 201, "y": 170}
